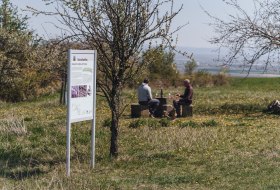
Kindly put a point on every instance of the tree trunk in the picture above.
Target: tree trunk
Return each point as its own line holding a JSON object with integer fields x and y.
{"x": 62, "y": 99}
{"x": 115, "y": 105}
{"x": 114, "y": 134}
{"x": 61, "y": 92}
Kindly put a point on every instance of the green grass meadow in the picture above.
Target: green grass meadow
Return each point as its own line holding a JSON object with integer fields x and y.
{"x": 231, "y": 142}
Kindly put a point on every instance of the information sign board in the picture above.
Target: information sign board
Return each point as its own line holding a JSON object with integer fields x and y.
{"x": 81, "y": 101}
{"x": 81, "y": 74}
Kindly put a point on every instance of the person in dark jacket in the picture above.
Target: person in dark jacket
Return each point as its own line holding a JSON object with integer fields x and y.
{"x": 184, "y": 99}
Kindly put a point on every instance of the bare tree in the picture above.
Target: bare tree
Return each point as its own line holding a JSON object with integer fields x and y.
{"x": 119, "y": 30}
{"x": 250, "y": 36}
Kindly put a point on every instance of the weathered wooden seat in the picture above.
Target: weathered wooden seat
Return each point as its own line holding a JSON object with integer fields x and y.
{"x": 187, "y": 110}
{"x": 138, "y": 110}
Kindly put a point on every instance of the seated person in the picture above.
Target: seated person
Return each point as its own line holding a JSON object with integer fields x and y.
{"x": 184, "y": 99}
{"x": 145, "y": 97}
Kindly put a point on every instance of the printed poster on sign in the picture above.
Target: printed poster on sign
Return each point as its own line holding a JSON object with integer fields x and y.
{"x": 81, "y": 80}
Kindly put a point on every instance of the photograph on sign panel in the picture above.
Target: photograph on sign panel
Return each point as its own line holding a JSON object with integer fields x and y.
{"x": 74, "y": 91}
{"x": 82, "y": 90}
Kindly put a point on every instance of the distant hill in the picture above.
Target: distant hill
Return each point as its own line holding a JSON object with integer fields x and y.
{"x": 207, "y": 60}
{"x": 205, "y": 57}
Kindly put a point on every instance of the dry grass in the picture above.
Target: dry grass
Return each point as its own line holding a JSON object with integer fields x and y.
{"x": 230, "y": 143}
{"x": 13, "y": 125}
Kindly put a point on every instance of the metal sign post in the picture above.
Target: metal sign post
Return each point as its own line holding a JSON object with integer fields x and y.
{"x": 92, "y": 161}
{"x": 81, "y": 101}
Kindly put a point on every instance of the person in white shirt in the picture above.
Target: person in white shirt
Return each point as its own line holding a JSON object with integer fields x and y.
{"x": 145, "y": 97}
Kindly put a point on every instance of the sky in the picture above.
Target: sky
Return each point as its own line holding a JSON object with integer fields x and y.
{"x": 196, "y": 34}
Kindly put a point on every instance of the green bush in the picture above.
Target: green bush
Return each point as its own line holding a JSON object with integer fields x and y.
{"x": 190, "y": 66}
{"x": 210, "y": 123}
{"x": 164, "y": 122}
{"x": 137, "y": 123}
{"x": 160, "y": 63}
{"x": 188, "y": 124}
{"x": 25, "y": 63}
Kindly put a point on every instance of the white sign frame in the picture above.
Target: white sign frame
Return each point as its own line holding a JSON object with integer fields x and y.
{"x": 81, "y": 92}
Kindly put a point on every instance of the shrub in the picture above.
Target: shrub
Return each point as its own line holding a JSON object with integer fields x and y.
{"x": 202, "y": 79}
{"x": 164, "y": 122}
{"x": 190, "y": 66}
{"x": 137, "y": 123}
{"x": 220, "y": 79}
{"x": 210, "y": 123}
{"x": 188, "y": 124}
{"x": 160, "y": 63}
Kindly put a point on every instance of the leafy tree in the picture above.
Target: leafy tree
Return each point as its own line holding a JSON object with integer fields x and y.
{"x": 190, "y": 66}
{"x": 118, "y": 30}
{"x": 26, "y": 63}
{"x": 15, "y": 51}
{"x": 250, "y": 37}
{"x": 160, "y": 63}
{"x": 10, "y": 19}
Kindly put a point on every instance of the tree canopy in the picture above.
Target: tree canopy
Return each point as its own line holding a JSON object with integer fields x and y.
{"x": 10, "y": 19}
{"x": 160, "y": 63}
{"x": 15, "y": 50}
{"x": 27, "y": 64}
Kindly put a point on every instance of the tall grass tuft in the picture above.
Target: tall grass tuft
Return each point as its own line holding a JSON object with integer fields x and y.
{"x": 13, "y": 125}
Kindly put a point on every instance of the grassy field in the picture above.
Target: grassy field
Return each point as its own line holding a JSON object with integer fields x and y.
{"x": 229, "y": 143}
